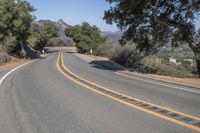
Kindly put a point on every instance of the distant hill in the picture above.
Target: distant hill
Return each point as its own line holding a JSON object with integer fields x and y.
{"x": 61, "y": 25}
{"x": 112, "y": 36}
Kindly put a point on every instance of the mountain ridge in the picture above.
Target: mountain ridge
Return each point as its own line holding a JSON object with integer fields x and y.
{"x": 112, "y": 36}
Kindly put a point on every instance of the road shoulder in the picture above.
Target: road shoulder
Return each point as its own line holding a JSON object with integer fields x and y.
{"x": 187, "y": 82}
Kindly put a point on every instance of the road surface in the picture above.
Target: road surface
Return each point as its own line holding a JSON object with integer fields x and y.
{"x": 39, "y": 98}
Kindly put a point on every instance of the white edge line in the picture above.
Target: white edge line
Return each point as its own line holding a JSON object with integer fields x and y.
{"x": 7, "y": 74}
{"x": 157, "y": 83}
{"x": 143, "y": 79}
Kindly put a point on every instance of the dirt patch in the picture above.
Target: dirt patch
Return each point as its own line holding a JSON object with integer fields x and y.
{"x": 13, "y": 63}
{"x": 4, "y": 57}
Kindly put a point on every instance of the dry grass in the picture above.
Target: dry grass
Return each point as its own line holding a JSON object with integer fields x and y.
{"x": 14, "y": 62}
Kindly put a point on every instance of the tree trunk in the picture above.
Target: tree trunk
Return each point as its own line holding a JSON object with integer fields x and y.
{"x": 196, "y": 51}
{"x": 197, "y": 58}
{"x": 23, "y": 51}
{"x": 198, "y": 66}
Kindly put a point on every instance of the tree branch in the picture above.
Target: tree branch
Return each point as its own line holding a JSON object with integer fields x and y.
{"x": 155, "y": 6}
{"x": 163, "y": 20}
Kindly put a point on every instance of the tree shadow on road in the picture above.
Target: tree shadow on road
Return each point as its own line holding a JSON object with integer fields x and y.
{"x": 106, "y": 65}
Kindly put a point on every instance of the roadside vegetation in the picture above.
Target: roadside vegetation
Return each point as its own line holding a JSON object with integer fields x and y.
{"x": 86, "y": 37}
{"x": 130, "y": 57}
{"x": 15, "y": 25}
{"x": 155, "y": 23}
{"x": 18, "y": 31}
{"x": 41, "y": 35}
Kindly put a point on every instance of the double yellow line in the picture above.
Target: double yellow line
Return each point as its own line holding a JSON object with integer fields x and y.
{"x": 62, "y": 68}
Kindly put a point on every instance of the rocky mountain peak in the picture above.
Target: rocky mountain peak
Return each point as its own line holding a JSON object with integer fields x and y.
{"x": 62, "y": 23}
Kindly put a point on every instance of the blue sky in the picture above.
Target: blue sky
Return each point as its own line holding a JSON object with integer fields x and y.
{"x": 198, "y": 23}
{"x": 73, "y": 11}
{"x": 76, "y": 11}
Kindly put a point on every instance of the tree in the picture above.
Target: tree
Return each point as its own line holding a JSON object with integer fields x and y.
{"x": 41, "y": 34}
{"x": 15, "y": 24}
{"x": 51, "y": 30}
{"x": 153, "y": 23}
{"x": 85, "y": 36}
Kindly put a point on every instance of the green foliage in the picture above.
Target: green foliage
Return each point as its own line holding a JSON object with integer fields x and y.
{"x": 153, "y": 23}
{"x": 86, "y": 37}
{"x": 8, "y": 43}
{"x": 41, "y": 34}
{"x": 15, "y": 23}
{"x": 51, "y": 30}
{"x": 128, "y": 56}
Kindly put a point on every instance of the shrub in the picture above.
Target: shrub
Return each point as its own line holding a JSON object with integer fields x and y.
{"x": 129, "y": 57}
{"x": 56, "y": 42}
{"x": 167, "y": 70}
{"x": 86, "y": 37}
{"x": 109, "y": 50}
{"x": 126, "y": 55}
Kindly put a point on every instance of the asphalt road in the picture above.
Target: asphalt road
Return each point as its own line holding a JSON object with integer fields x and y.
{"x": 38, "y": 98}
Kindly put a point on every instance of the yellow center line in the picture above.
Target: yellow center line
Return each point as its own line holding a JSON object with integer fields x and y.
{"x": 60, "y": 58}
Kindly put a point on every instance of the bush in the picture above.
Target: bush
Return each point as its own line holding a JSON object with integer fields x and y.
{"x": 126, "y": 56}
{"x": 166, "y": 70}
{"x": 153, "y": 64}
{"x": 129, "y": 57}
{"x": 86, "y": 37}
{"x": 109, "y": 50}
{"x": 56, "y": 42}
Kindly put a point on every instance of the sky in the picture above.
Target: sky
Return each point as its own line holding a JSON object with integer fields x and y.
{"x": 198, "y": 22}
{"x": 76, "y": 11}
{"x": 73, "y": 11}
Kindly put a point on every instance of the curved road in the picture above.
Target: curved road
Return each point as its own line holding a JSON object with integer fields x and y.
{"x": 38, "y": 98}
